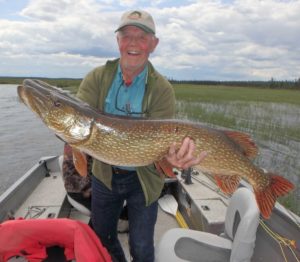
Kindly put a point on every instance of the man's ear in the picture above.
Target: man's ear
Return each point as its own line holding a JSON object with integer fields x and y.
{"x": 155, "y": 42}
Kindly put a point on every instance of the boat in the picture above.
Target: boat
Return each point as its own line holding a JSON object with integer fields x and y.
{"x": 192, "y": 218}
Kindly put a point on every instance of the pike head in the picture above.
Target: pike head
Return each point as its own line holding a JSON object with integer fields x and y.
{"x": 62, "y": 113}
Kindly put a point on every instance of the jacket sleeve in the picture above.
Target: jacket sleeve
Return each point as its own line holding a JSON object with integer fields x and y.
{"x": 88, "y": 90}
{"x": 161, "y": 100}
{"x": 163, "y": 105}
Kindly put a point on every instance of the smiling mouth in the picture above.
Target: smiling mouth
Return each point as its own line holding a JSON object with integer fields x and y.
{"x": 133, "y": 53}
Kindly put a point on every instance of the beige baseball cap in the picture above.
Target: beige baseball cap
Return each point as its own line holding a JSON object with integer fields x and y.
{"x": 138, "y": 18}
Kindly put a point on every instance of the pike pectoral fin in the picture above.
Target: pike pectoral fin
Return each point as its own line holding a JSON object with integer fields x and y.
{"x": 227, "y": 184}
{"x": 80, "y": 162}
{"x": 164, "y": 168}
{"x": 266, "y": 197}
{"x": 244, "y": 141}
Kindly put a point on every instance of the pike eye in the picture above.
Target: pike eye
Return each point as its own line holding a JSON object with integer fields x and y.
{"x": 56, "y": 103}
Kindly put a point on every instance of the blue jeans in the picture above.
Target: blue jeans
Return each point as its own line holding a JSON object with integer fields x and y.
{"x": 106, "y": 208}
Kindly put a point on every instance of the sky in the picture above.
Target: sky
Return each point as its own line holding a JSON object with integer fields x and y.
{"x": 198, "y": 40}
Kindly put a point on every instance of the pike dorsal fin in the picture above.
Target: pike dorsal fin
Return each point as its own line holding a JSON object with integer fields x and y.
{"x": 244, "y": 141}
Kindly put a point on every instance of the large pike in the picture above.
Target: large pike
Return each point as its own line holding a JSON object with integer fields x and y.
{"x": 138, "y": 142}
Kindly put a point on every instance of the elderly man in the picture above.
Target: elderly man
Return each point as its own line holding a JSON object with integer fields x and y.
{"x": 131, "y": 86}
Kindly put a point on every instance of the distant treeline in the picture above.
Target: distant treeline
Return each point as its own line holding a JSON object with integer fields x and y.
{"x": 59, "y": 82}
{"x": 75, "y": 82}
{"x": 272, "y": 84}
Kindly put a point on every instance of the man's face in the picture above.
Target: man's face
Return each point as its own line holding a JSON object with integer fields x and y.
{"x": 135, "y": 46}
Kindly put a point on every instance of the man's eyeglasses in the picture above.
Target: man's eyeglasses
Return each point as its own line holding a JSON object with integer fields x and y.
{"x": 127, "y": 110}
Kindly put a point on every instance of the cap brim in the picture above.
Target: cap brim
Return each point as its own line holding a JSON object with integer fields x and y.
{"x": 143, "y": 27}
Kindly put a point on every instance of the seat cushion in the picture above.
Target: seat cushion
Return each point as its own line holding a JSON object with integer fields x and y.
{"x": 191, "y": 245}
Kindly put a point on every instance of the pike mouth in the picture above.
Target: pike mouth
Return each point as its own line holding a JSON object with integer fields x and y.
{"x": 35, "y": 102}
{"x": 21, "y": 95}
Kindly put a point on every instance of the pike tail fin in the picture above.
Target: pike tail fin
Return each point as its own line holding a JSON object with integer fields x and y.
{"x": 266, "y": 197}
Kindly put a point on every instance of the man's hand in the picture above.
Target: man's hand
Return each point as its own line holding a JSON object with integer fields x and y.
{"x": 184, "y": 157}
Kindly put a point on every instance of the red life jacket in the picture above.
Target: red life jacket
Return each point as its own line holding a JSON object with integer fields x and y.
{"x": 30, "y": 238}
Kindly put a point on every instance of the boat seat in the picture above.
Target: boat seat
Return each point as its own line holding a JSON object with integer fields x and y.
{"x": 75, "y": 202}
{"x": 236, "y": 244}
{"x": 79, "y": 206}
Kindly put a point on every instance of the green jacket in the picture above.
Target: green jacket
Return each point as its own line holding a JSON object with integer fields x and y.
{"x": 159, "y": 102}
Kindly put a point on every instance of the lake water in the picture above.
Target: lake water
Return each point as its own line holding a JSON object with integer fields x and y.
{"x": 23, "y": 138}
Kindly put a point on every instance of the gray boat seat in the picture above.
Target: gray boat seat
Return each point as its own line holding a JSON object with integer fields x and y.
{"x": 78, "y": 206}
{"x": 236, "y": 244}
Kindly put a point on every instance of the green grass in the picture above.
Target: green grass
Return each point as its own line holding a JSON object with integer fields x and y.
{"x": 202, "y": 93}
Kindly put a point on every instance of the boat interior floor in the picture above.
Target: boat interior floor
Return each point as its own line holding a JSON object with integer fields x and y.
{"x": 48, "y": 200}
{"x": 40, "y": 193}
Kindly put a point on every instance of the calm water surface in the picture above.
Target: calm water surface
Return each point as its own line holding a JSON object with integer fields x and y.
{"x": 23, "y": 138}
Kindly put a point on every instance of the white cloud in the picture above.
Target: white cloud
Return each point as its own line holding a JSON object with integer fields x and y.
{"x": 246, "y": 33}
{"x": 200, "y": 40}
{"x": 50, "y": 65}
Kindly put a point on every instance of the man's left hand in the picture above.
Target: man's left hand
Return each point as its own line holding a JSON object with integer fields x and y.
{"x": 184, "y": 157}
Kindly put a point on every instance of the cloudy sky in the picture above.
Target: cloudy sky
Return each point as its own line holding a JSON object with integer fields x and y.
{"x": 199, "y": 40}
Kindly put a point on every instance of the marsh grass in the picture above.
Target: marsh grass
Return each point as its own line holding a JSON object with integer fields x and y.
{"x": 214, "y": 94}
{"x": 271, "y": 117}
